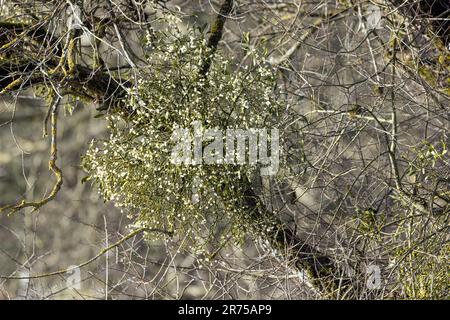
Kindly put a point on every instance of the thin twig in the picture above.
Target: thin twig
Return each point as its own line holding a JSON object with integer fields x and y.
{"x": 98, "y": 255}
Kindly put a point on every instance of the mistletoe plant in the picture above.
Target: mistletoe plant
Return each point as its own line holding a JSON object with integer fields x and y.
{"x": 205, "y": 203}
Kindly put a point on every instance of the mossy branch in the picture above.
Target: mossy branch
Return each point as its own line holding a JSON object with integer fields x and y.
{"x": 321, "y": 269}
{"x": 51, "y": 163}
